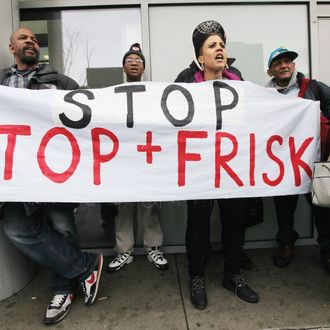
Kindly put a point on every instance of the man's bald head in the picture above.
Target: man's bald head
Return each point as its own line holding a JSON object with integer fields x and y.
{"x": 25, "y": 47}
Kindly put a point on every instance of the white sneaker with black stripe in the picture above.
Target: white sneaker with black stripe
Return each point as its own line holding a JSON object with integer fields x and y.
{"x": 157, "y": 258}
{"x": 58, "y": 308}
{"x": 120, "y": 261}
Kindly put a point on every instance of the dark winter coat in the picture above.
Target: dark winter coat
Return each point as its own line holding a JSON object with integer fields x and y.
{"x": 318, "y": 91}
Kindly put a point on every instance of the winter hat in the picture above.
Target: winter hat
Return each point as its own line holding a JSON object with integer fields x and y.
{"x": 203, "y": 31}
{"x": 279, "y": 53}
{"x": 134, "y": 49}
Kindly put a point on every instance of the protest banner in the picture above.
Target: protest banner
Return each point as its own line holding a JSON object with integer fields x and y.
{"x": 151, "y": 141}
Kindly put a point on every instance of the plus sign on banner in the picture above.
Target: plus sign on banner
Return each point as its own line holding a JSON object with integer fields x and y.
{"x": 155, "y": 141}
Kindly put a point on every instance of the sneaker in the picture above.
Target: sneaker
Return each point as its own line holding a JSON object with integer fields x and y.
{"x": 91, "y": 284}
{"x": 58, "y": 308}
{"x": 197, "y": 292}
{"x": 156, "y": 256}
{"x": 120, "y": 261}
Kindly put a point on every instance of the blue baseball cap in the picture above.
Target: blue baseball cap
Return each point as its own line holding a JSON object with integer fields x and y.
{"x": 281, "y": 52}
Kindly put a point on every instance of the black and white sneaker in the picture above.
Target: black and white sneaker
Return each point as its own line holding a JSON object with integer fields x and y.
{"x": 120, "y": 261}
{"x": 58, "y": 308}
{"x": 156, "y": 256}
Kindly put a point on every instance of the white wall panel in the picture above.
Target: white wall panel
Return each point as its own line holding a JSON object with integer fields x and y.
{"x": 324, "y": 50}
{"x": 8, "y": 23}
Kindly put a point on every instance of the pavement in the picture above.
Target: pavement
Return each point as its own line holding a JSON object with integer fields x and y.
{"x": 141, "y": 297}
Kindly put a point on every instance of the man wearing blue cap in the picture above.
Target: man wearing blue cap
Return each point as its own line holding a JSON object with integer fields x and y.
{"x": 287, "y": 80}
{"x": 282, "y": 68}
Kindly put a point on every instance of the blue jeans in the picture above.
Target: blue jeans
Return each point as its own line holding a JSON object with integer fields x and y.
{"x": 48, "y": 237}
{"x": 63, "y": 222}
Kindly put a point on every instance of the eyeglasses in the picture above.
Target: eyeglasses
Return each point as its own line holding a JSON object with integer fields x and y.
{"x": 133, "y": 60}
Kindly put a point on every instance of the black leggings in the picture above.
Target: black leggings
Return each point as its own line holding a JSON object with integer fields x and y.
{"x": 232, "y": 213}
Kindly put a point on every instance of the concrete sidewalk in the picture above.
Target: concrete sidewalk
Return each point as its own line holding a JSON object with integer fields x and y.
{"x": 141, "y": 297}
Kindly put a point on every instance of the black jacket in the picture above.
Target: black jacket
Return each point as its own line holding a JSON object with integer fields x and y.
{"x": 44, "y": 78}
{"x": 187, "y": 75}
{"x": 316, "y": 91}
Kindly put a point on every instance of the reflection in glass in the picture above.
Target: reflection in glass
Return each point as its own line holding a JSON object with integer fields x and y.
{"x": 97, "y": 39}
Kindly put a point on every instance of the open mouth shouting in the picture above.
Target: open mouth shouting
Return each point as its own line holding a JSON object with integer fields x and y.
{"x": 219, "y": 57}
{"x": 30, "y": 51}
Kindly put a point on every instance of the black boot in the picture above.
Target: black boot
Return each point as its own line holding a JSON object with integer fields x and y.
{"x": 283, "y": 256}
{"x": 198, "y": 294}
{"x": 236, "y": 282}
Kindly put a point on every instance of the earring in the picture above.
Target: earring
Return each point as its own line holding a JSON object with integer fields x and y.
{"x": 202, "y": 66}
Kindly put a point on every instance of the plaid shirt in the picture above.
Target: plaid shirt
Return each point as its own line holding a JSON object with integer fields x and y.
{"x": 19, "y": 79}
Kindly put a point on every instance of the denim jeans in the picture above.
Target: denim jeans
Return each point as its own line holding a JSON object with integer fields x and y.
{"x": 63, "y": 222}
{"x": 46, "y": 237}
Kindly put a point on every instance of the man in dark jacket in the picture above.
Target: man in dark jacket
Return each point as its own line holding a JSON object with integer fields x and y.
{"x": 287, "y": 80}
{"x": 46, "y": 231}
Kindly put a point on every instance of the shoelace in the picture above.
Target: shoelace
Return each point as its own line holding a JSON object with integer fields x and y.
{"x": 83, "y": 287}
{"x": 58, "y": 300}
{"x": 156, "y": 254}
{"x": 197, "y": 283}
{"x": 239, "y": 280}
{"x": 122, "y": 256}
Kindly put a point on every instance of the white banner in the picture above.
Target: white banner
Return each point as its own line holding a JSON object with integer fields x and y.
{"x": 155, "y": 142}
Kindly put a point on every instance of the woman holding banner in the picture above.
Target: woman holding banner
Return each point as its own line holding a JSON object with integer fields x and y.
{"x": 209, "y": 41}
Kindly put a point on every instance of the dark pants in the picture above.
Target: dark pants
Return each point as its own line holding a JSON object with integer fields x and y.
{"x": 232, "y": 213}
{"x": 109, "y": 211}
{"x": 285, "y": 208}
